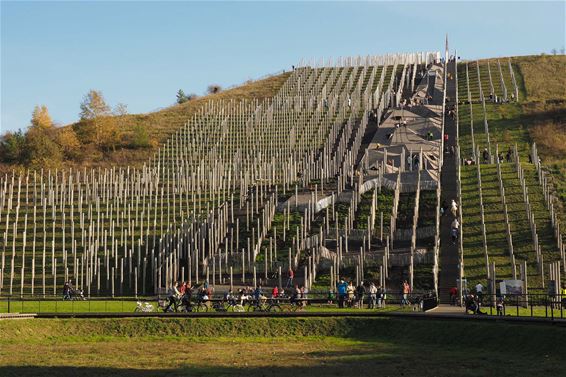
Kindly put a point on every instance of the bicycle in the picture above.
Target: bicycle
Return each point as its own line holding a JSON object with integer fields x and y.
{"x": 296, "y": 305}
{"x": 234, "y": 306}
{"x": 163, "y": 304}
{"x": 143, "y": 307}
{"x": 200, "y": 307}
{"x": 274, "y": 306}
{"x": 257, "y": 306}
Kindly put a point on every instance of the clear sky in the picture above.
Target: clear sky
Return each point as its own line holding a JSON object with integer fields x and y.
{"x": 141, "y": 53}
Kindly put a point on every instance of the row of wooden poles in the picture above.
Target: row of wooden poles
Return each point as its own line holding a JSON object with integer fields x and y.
{"x": 102, "y": 227}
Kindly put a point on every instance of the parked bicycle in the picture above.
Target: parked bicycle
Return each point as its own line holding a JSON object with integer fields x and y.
{"x": 144, "y": 307}
{"x": 264, "y": 305}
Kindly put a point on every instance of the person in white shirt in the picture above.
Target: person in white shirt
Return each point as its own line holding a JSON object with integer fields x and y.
{"x": 372, "y": 295}
{"x": 454, "y": 208}
{"x": 455, "y": 224}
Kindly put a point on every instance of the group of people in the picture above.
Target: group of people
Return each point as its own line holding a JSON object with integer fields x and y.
{"x": 455, "y": 224}
{"x": 70, "y": 293}
{"x": 500, "y": 157}
{"x": 496, "y": 99}
{"x": 473, "y": 301}
{"x": 353, "y": 296}
{"x": 181, "y": 294}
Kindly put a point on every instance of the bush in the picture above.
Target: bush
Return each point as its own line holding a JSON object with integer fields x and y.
{"x": 213, "y": 89}
{"x": 140, "y": 138}
{"x": 12, "y": 147}
{"x": 41, "y": 149}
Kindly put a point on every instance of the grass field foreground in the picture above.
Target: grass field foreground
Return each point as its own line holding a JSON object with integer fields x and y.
{"x": 278, "y": 347}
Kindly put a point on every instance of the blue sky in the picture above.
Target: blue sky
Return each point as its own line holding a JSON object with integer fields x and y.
{"x": 141, "y": 53}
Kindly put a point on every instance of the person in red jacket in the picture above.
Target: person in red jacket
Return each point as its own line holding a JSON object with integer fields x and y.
{"x": 291, "y": 276}
{"x": 453, "y": 295}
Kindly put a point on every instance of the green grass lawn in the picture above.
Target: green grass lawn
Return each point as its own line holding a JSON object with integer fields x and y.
{"x": 60, "y": 306}
{"x": 278, "y": 347}
{"x": 128, "y": 306}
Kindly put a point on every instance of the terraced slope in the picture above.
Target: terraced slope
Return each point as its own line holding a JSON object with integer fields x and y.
{"x": 202, "y": 203}
{"x": 505, "y": 126}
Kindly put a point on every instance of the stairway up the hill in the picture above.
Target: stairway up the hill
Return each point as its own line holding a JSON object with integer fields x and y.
{"x": 449, "y": 259}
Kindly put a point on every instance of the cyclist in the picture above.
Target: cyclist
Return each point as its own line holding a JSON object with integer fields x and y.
{"x": 172, "y": 296}
{"x": 187, "y": 296}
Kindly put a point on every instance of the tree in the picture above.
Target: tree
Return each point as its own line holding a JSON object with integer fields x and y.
{"x": 120, "y": 119}
{"x": 41, "y": 150}
{"x": 40, "y": 117}
{"x": 107, "y": 135}
{"x": 69, "y": 143}
{"x": 181, "y": 97}
{"x": 94, "y": 105}
{"x": 12, "y": 147}
{"x": 553, "y": 51}
{"x": 213, "y": 89}
{"x": 101, "y": 126}
{"x": 120, "y": 109}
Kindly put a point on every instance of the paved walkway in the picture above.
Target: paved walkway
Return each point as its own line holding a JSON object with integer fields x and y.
{"x": 448, "y": 252}
{"x": 446, "y": 309}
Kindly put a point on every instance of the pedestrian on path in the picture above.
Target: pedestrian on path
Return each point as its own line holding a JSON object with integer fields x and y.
{"x": 454, "y": 208}
{"x": 372, "y": 296}
{"x": 455, "y": 224}
{"x": 454, "y": 235}
{"x": 290, "y": 277}
{"x": 406, "y": 290}
{"x": 500, "y": 305}
{"x": 453, "y": 295}
{"x": 341, "y": 287}
{"x": 479, "y": 291}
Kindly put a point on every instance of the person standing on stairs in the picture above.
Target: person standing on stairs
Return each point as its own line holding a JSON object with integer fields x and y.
{"x": 454, "y": 235}
{"x": 290, "y": 277}
{"x": 485, "y": 156}
{"x": 455, "y": 224}
{"x": 454, "y": 208}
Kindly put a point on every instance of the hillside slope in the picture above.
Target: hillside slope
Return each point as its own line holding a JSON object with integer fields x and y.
{"x": 159, "y": 125}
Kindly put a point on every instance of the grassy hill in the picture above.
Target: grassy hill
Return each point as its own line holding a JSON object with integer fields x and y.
{"x": 160, "y": 125}
{"x": 537, "y": 117}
